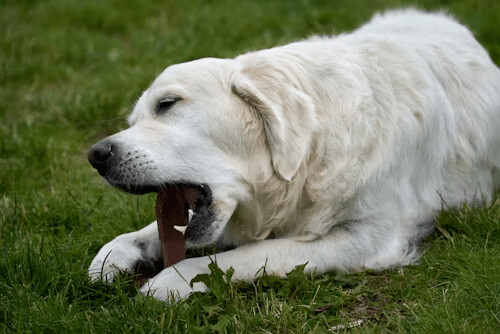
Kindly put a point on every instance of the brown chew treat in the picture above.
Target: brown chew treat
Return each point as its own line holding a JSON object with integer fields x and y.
{"x": 172, "y": 206}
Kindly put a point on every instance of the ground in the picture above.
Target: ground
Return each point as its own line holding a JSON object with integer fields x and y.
{"x": 70, "y": 71}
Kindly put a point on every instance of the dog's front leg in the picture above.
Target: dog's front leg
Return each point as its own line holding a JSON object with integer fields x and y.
{"x": 278, "y": 256}
{"x": 125, "y": 252}
{"x": 345, "y": 250}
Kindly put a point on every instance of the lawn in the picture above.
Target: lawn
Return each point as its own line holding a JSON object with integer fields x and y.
{"x": 70, "y": 71}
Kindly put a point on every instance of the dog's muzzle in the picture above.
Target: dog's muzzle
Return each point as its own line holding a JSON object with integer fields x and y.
{"x": 105, "y": 156}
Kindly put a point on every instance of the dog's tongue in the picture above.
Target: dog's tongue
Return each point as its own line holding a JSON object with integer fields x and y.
{"x": 172, "y": 206}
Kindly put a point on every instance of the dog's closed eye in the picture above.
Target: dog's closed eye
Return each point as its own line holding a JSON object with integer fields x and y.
{"x": 165, "y": 104}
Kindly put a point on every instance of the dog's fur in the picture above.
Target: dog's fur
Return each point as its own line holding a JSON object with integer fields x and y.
{"x": 335, "y": 152}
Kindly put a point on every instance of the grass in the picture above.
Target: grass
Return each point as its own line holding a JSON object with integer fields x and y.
{"x": 70, "y": 72}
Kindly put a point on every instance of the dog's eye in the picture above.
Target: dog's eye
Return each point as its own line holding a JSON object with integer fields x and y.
{"x": 166, "y": 103}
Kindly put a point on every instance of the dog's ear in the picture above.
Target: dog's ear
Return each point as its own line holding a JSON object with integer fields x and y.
{"x": 288, "y": 116}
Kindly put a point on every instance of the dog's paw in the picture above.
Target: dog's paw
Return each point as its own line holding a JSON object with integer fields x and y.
{"x": 173, "y": 283}
{"x": 117, "y": 256}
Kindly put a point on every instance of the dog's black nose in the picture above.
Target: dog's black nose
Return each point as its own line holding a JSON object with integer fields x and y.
{"x": 101, "y": 156}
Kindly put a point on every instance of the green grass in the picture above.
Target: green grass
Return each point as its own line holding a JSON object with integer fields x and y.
{"x": 70, "y": 72}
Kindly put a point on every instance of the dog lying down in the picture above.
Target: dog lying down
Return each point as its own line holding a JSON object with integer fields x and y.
{"x": 335, "y": 152}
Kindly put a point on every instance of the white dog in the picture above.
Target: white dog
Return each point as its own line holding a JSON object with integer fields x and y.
{"x": 335, "y": 152}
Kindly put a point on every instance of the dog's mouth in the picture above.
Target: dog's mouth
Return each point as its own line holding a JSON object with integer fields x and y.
{"x": 197, "y": 207}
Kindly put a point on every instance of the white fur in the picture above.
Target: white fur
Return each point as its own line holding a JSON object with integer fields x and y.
{"x": 335, "y": 152}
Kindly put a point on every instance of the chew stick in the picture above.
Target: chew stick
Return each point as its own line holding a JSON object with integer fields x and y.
{"x": 172, "y": 206}
{"x": 170, "y": 211}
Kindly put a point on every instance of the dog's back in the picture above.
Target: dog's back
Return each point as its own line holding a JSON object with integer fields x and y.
{"x": 467, "y": 92}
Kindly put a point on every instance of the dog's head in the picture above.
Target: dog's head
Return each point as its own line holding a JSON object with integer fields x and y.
{"x": 208, "y": 123}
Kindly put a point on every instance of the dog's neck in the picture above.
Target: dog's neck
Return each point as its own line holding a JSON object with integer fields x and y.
{"x": 280, "y": 208}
